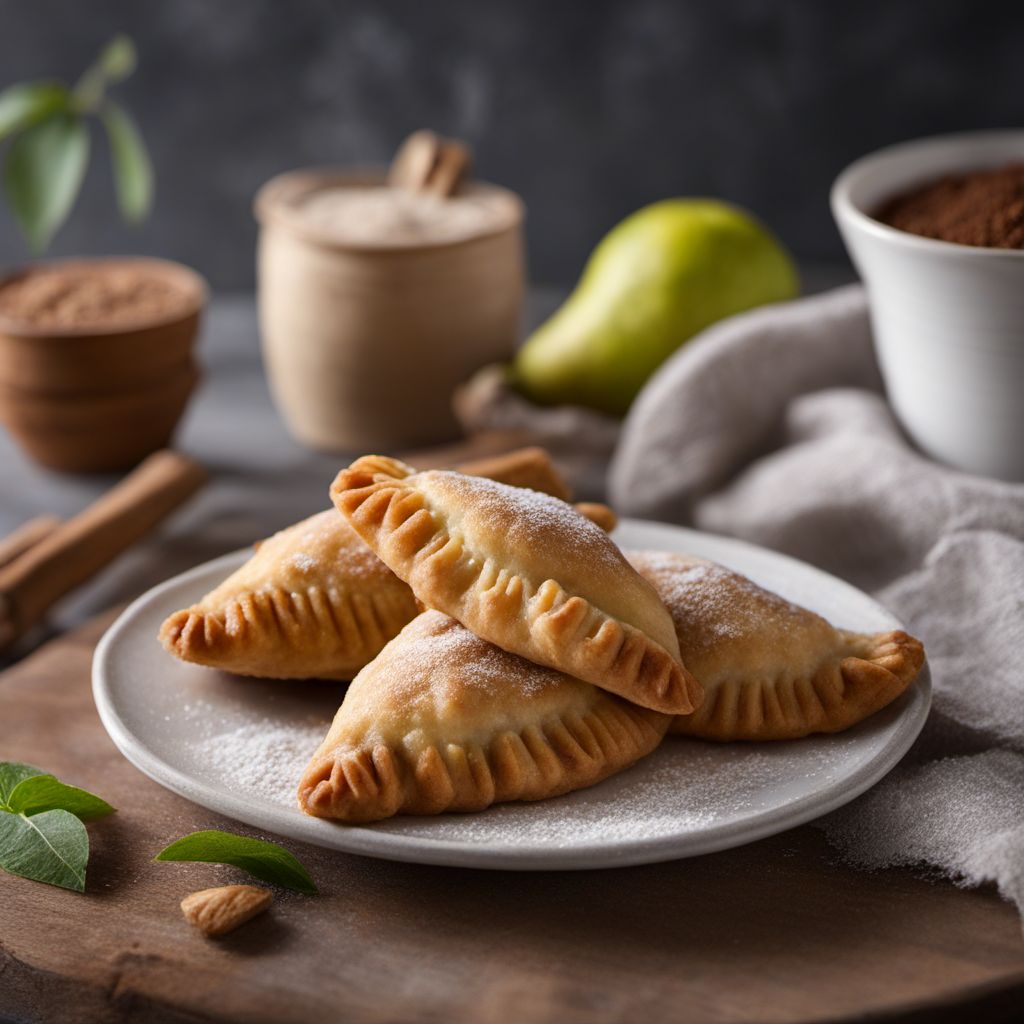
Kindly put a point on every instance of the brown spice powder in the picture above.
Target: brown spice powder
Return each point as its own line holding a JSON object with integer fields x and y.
{"x": 980, "y": 208}
{"x": 83, "y": 296}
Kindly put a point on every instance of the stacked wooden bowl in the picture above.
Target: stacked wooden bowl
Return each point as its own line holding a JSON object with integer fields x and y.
{"x": 97, "y": 398}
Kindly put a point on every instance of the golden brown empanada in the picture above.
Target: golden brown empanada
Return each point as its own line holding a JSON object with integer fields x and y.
{"x": 313, "y": 602}
{"x": 523, "y": 570}
{"x": 771, "y": 670}
{"x": 444, "y": 721}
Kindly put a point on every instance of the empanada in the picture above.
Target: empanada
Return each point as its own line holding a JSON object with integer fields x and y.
{"x": 524, "y": 571}
{"x": 771, "y": 670}
{"x": 444, "y": 721}
{"x": 314, "y": 601}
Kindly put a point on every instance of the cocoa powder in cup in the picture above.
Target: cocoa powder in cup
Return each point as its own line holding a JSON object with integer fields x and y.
{"x": 983, "y": 208}
{"x": 81, "y": 296}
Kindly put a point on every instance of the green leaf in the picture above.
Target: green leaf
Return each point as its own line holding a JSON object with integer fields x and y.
{"x": 44, "y": 171}
{"x": 133, "y": 171}
{"x": 117, "y": 59}
{"x": 265, "y": 861}
{"x": 12, "y": 773}
{"x": 51, "y": 847}
{"x": 114, "y": 64}
{"x": 22, "y": 106}
{"x": 45, "y": 793}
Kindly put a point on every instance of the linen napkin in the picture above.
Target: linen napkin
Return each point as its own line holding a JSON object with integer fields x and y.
{"x": 772, "y": 426}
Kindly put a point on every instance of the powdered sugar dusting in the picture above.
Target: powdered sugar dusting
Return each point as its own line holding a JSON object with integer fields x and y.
{"x": 437, "y": 649}
{"x": 359, "y": 562}
{"x": 323, "y": 546}
{"x": 710, "y": 604}
{"x": 303, "y": 561}
{"x": 526, "y": 518}
{"x": 263, "y": 758}
{"x": 684, "y": 786}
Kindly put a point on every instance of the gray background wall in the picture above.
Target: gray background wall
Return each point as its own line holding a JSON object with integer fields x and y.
{"x": 588, "y": 109}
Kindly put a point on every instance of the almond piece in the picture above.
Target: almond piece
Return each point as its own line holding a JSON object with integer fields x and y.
{"x": 221, "y": 910}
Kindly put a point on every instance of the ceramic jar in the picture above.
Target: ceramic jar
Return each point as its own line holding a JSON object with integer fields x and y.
{"x": 364, "y": 344}
{"x": 948, "y": 319}
{"x": 99, "y": 399}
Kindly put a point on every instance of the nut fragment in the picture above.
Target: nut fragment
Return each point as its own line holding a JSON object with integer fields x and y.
{"x": 221, "y": 910}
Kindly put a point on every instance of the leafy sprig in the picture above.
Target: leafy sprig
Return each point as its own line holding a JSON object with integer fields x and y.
{"x": 263, "y": 860}
{"x": 41, "y": 832}
{"x": 48, "y": 123}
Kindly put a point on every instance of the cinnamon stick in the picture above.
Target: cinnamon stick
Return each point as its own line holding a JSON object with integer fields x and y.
{"x": 26, "y": 536}
{"x": 525, "y": 467}
{"x": 450, "y": 168}
{"x": 427, "y": 163}
{"x": 414, "y": 162}
{"x": 77, "y": 549}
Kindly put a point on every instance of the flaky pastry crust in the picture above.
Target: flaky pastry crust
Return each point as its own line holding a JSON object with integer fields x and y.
{"x": 444, "y": 721}
{"x": 524, "y": 571}
{"x": 770, "y": 669}
{"x": 312, "y": 602}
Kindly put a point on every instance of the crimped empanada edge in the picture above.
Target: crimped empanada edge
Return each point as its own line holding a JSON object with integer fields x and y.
{"x": 843, "y": 692}
{"x": 396, "y": 520}
{"x": 235, "y": 638}
{"x": 565, "y": 753}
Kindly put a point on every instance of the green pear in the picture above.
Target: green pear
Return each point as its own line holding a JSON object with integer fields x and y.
{"x": 654, "y": 281}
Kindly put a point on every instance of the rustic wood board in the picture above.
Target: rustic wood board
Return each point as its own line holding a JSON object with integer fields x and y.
{"x": 773, "y": 931}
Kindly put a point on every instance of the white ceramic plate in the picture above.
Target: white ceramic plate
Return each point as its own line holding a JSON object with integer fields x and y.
{"x": 238, "y": 746}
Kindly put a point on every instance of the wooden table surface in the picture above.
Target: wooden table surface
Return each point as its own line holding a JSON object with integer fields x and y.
{"x": 777, "y": 930}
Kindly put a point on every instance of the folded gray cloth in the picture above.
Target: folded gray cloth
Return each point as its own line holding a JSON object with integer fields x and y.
{"x": 772, "y": 427}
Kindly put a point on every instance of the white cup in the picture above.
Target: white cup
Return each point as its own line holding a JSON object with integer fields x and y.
{"x": 948, "y": 319}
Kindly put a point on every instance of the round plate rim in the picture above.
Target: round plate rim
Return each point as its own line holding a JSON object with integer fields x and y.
{"x": 366, "y": 841}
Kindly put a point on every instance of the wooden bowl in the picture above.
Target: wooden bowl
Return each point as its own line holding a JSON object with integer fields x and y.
{"x": 100, "y": 397}
{"x": 365, "y": 343}
{"x": 94, "y": 360}
{"x": 97, "y": 433}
